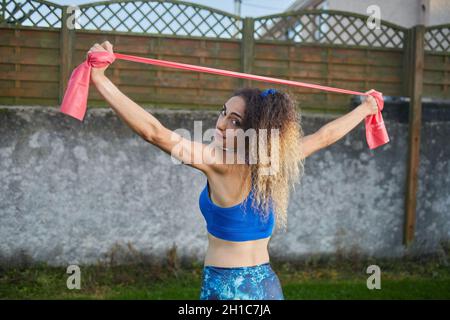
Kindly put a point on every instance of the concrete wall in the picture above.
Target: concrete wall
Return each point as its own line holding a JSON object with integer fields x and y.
{"x": 70, "y": 191}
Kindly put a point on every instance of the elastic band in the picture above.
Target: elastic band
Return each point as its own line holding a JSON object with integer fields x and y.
{"x": 75, "y": 98}
{"x": 190, "y": 67}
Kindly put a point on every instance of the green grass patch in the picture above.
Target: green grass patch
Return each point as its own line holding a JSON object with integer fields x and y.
{"x": 333, "y": 280}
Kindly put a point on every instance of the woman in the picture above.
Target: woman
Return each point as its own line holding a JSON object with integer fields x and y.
{"x": 242, "y": 199}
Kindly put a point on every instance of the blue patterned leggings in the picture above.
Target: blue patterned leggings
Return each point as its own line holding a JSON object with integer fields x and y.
{"x": 240, "y": 283}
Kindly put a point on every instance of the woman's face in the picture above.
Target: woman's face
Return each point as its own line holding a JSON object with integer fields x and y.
{"x": 230, "y": 119}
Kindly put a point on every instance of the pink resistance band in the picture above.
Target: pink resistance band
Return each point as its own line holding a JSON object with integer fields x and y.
{"x": 75, "y": 98}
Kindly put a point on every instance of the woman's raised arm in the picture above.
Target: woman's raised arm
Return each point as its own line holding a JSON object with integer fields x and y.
{"x": 195, "y": 154}
{"x": 336, "y": 129}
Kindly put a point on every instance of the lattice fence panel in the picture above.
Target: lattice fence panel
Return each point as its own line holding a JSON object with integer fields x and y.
{"x": 328, "y": 28}
{"x": 31, "y": 13}
{"x": 437, "y": 39}
{"x": 158, "y": 17}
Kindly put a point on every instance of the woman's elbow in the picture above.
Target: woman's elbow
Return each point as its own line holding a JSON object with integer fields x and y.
{"x": 312, "y": 143}
{"x": 324, "y": 138}
{"x": 153, "y": 134}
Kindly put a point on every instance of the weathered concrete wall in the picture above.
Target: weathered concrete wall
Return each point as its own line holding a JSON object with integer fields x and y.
{"x": 69, "y": 190}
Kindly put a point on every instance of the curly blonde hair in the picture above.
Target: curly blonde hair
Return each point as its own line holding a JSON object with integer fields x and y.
{"x": 274, "y": 111}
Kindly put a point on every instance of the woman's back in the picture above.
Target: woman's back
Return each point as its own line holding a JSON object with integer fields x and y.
{"x": 227, "y": 191}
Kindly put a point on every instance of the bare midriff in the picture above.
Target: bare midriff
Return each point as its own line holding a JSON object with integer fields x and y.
{"x": 222, "y": 253}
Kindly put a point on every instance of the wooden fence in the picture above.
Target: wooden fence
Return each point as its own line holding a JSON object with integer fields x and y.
{"x": 325, "y": 47}
{"x": 38, "y": 52}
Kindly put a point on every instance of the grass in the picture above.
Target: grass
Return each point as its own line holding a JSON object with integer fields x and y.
{"x": 335, "y": 277}
{"x": 136, "y": 282}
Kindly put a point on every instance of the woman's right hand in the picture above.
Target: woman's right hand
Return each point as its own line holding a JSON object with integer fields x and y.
{"x": 97, "y": 73}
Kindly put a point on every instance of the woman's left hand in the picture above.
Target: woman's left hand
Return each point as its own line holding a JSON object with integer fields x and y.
{"x": 370, "y": 104}
{"x": 105, "y": 46}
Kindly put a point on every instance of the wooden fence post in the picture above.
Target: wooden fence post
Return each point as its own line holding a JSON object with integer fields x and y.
{"x": 3, "y": 17}
{"x": 415, "y": 59}
{"x": 65, "y": 51}
{"x": 247, "y": 49}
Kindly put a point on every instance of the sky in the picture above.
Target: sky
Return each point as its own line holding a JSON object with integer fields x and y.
{"x": 249, "y": 8}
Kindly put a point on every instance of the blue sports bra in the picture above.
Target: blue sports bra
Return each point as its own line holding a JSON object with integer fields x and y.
{"x": 240, "y": 222}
